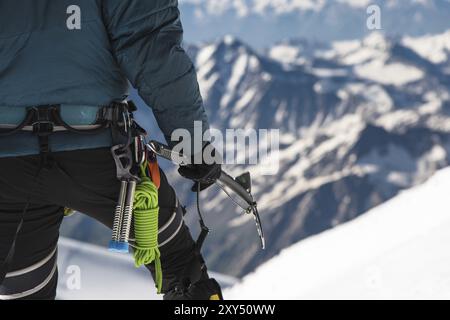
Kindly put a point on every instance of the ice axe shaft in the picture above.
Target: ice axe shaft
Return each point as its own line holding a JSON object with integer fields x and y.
{"x": 231, "y": 183}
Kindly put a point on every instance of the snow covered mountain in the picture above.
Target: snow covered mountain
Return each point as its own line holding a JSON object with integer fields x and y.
{"x": 399, "y": 250}
{"x": 324, "y": 20}
{"x": 360, "y": 121}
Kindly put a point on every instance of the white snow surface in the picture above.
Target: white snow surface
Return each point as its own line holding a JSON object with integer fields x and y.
{"x": 435, "y": 48}
{"x": 399, "y": 250}
{"x": 394, "y": 73}
{"x": 105, "y": 275}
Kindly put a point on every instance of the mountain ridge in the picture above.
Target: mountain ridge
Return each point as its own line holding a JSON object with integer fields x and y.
{"x": 325, "y": 20}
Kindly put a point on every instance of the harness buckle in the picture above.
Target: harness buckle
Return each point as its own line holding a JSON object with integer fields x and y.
{"x": 43, "y": 120}
{"x": 43, "y": 128}
{"x": 43, "y": 124}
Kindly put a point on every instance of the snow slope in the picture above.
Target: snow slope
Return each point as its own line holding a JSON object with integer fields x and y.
{"x": 105, "y": 275}
{"x": 399, "y": 250}
{"x": 435, "y": 47}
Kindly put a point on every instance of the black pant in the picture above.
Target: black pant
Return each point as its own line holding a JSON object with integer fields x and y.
{"x": 81, "y": 180}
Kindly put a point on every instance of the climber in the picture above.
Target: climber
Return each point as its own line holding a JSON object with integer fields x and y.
{"x": 65, "y": 70}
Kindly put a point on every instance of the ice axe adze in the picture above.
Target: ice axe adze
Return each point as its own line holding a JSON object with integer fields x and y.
{"x": 241, "y": 185}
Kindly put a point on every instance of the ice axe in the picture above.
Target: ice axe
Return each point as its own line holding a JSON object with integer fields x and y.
{"x": 241, "y": 186}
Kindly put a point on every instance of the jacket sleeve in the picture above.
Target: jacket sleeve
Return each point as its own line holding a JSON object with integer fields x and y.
{"x": 146, "y": 37}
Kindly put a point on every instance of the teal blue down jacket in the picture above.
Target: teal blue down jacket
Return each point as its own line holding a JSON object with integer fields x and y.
{"x": 87, "y": 53}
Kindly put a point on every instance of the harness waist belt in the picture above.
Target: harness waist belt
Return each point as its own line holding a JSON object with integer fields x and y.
{"x": 44, "y": 120}
{"x": 55, "y": 128}
{"x": 74, "y": 115}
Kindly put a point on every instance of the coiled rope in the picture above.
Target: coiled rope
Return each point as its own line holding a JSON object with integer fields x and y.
{"x": 146, "y": 212}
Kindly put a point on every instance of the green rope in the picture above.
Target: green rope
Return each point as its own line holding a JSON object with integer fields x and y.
{"x": 146, "y": 211}
{"x": 68, "y": 212}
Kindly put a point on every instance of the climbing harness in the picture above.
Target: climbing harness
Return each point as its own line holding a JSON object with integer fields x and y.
{"x": 43, "y": 121}
{"x": 48, "y": 119}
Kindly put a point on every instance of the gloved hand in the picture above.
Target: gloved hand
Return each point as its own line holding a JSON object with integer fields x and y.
{"x": 203, "y": 174}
